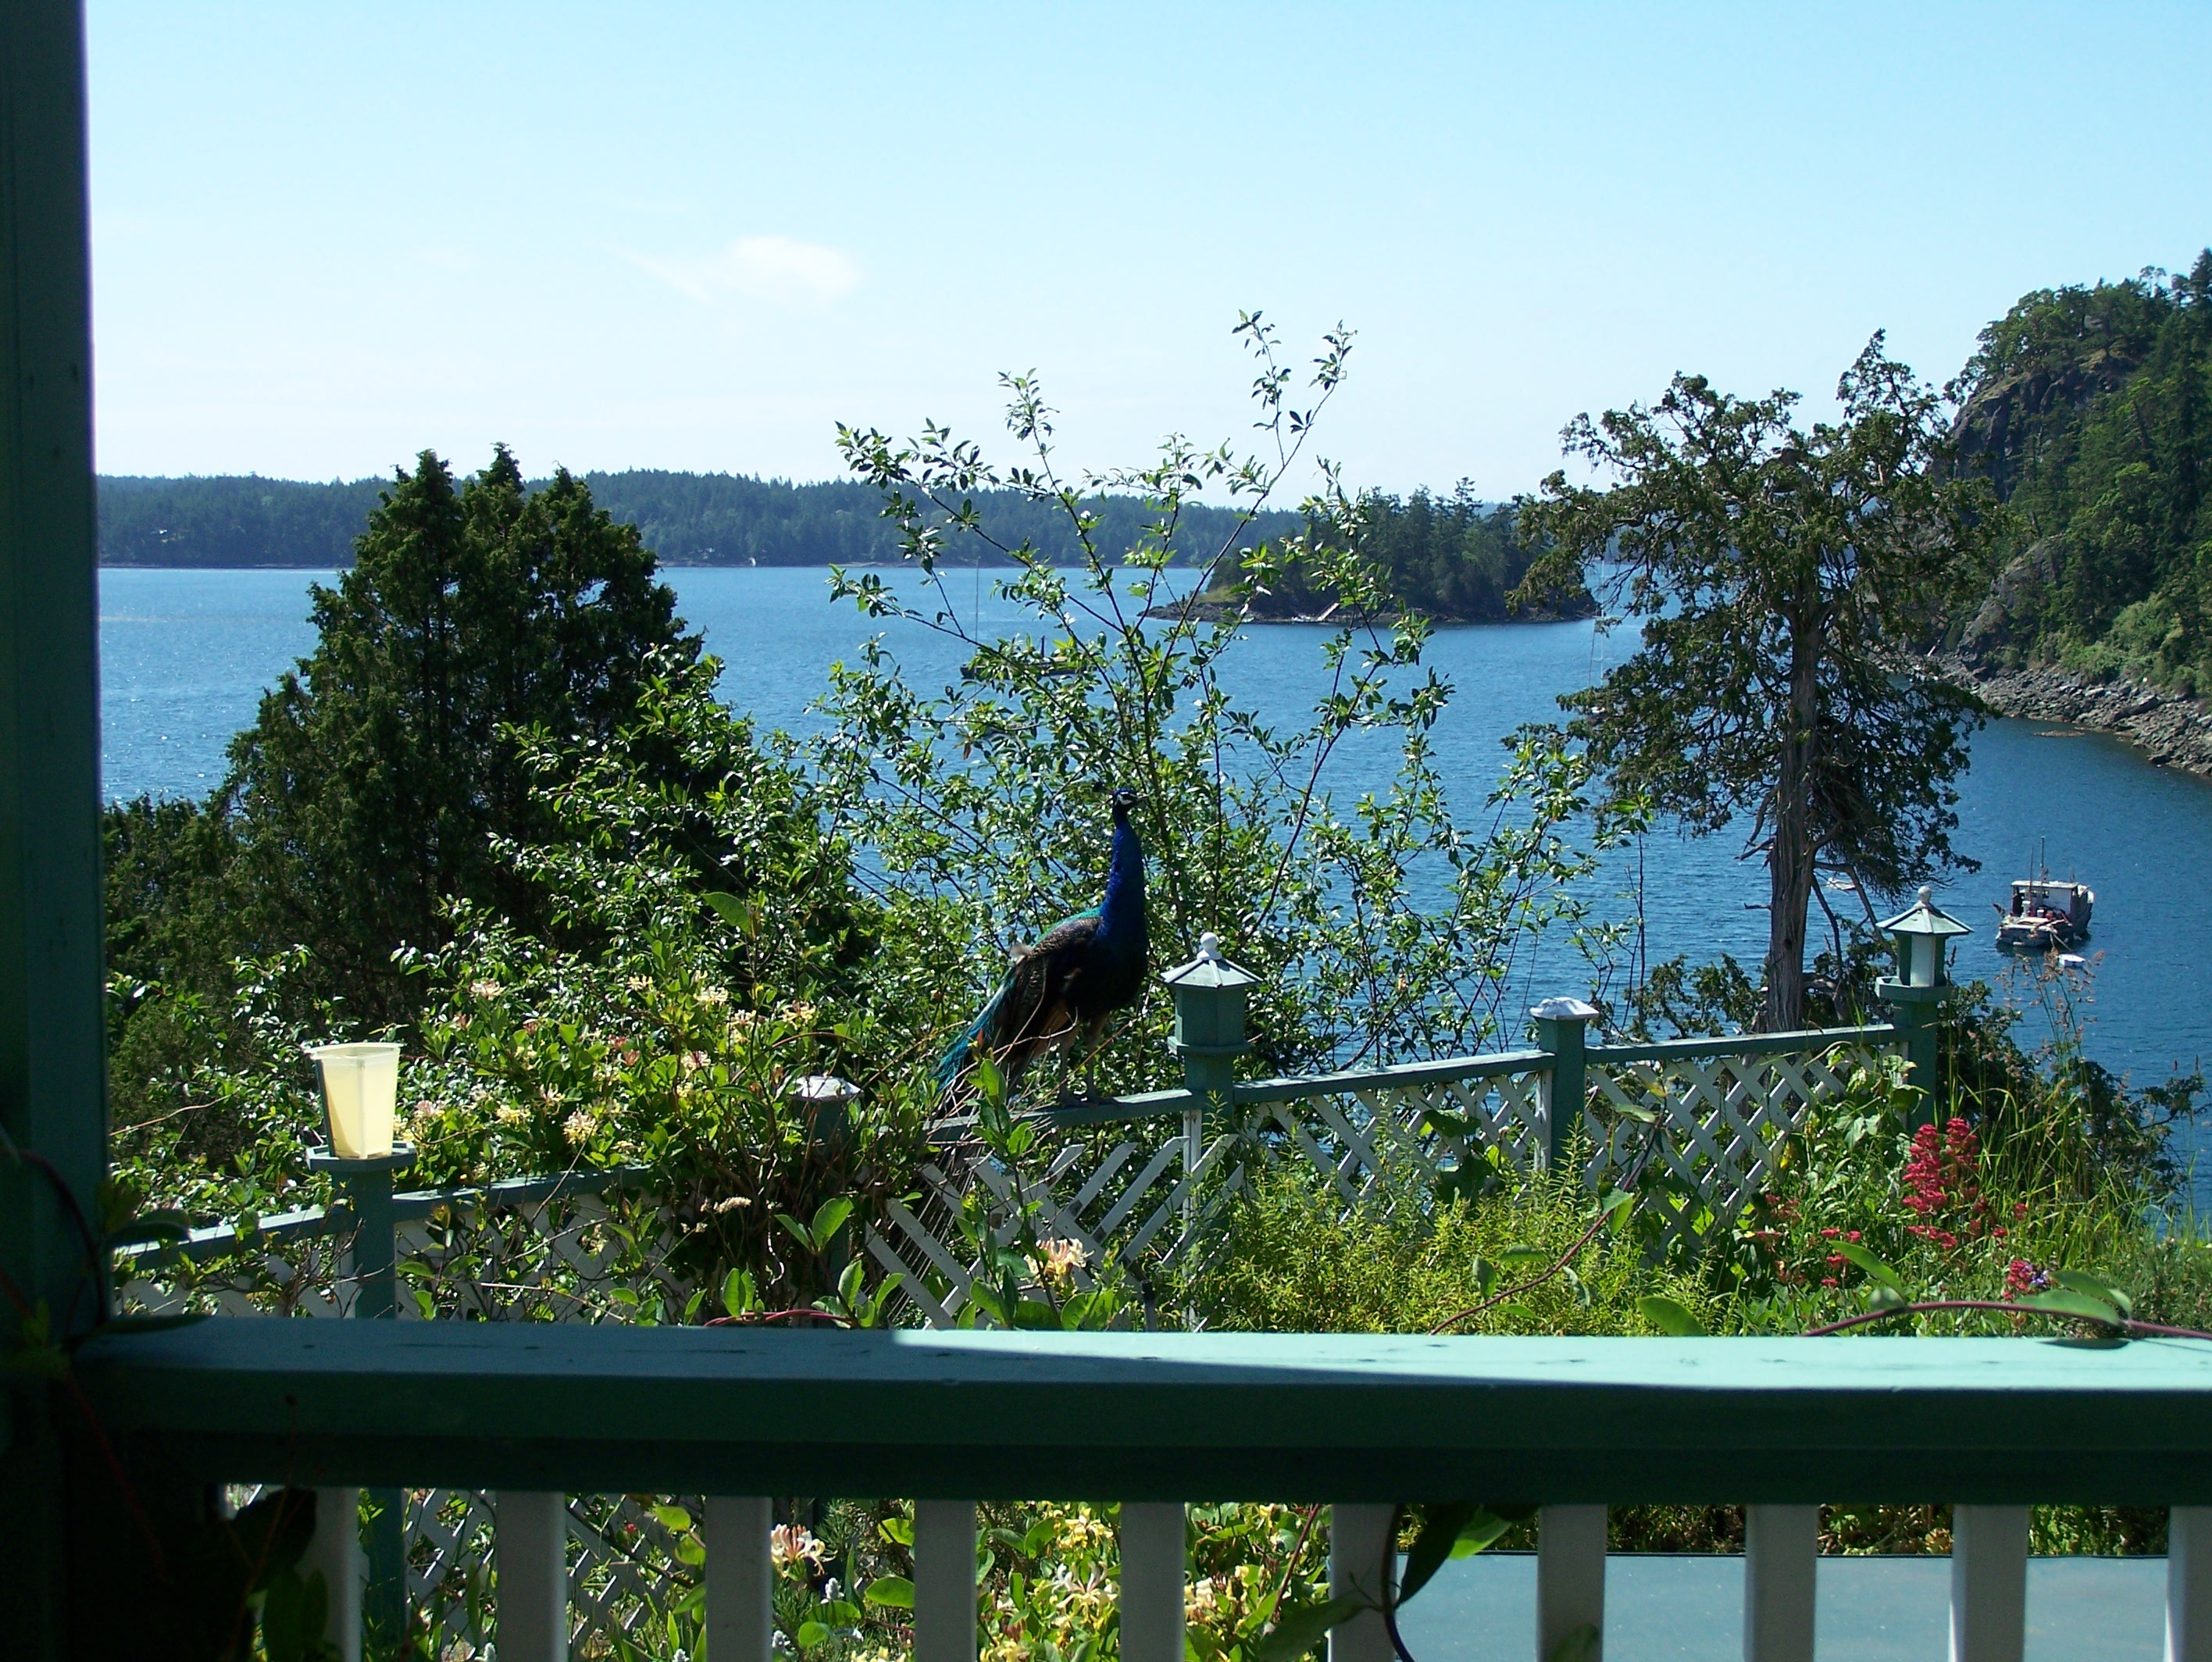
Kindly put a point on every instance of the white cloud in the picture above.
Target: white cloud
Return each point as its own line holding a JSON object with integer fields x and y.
{"x": 779, "y": 270}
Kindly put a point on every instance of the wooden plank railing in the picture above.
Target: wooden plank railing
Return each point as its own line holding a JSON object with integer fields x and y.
{"x": 1991, "y": 1426}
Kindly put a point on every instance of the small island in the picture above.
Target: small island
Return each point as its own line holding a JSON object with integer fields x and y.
{"x": 1452, "y": 559}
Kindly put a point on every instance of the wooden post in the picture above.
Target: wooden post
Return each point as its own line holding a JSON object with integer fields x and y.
{"x": 1560, "y": 1029}
{"x": 1988, "y": 1583}
{"x": 1153, "y": 1578}
{"x": 335, "y": 1551}
{"x": 1781, "y": 1558}
{"x": 54, "y": 1505}
{"x": 740, "y": 1579}
{"x": 1570, "y": 1584}
{"x": 944, "y": 1581}
{"x": 1358, "y": 1541}
{"x": 2189, "y": 1584}
{"x": 531, "y": 1544}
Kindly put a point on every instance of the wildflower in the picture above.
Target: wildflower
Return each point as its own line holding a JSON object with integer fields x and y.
{"x": 637, "y": 983}
{"x": 792, "y": 1545}
{"x": 1200, "y": 1600}
{"x": 1853, "y": 1235}
{"x": 714, "y": 996}
{"x": 1830, "y": 1234}
{"x": 485, "y": 991}
{"x": 800, "y": 1015}
{"x": 693, "y": 1060}
{"x": 579, "y": 1128}
{"x": 1056, "y": 1261}
{"x": 1828, "y": 1281}
{"x": 550, "y": 1095}
{"x": 459, "y": 1651}
{"x": 510, "y": 1115}
{"x": 2022, "y": 1277}
{"x": 1835, "y": 1260}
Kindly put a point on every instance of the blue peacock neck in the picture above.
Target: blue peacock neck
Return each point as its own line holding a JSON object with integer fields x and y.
{"x": 1122, "y": 917}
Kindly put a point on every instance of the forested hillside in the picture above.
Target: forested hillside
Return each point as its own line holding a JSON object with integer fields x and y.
{"x": 685, "y": 518}
{"x": 1454, "y": 559}
{"x": 2090, "y": 411}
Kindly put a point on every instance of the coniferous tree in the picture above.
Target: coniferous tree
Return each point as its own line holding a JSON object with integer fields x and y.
{"x": 1786, "y": 583}
{"x": 371, "y": 786}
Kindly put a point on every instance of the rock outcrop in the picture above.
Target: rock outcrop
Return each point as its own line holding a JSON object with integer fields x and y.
{"x": 2173, "y": 732}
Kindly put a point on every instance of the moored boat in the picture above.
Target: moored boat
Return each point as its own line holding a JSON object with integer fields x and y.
{"x": 2046, "y": 915}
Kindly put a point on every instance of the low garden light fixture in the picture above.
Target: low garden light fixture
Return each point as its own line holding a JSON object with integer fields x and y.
{"x": 360, "y": 1089}
{"x": 1921, "y": 934}
{"x": 1918, "y": 991}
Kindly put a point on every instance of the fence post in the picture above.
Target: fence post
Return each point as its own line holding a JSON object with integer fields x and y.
{"x": 2189, "y": 1584}
{"x": 1917, "y": 993}
{"x": 1560, "y": 1030}
{"x": 1988, "y": 1583}
{"x": 944, "y": 1581}
{"x": 368, "y": 1185}
{"x": 740, "y": 1578}
{"x": 1570, "y": 1583}
{"x": 335, "y": 1550}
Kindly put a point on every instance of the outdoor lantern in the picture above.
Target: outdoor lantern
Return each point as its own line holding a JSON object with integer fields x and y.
{"x": 1209, "y": 1001}
{"x": 1920, "y": 934}
{"x": 360, "y": 1084}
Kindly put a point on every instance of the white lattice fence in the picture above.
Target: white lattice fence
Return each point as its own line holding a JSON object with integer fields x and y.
{"x": 1722, "y": 1119}
{"x": 567, "y": 1257}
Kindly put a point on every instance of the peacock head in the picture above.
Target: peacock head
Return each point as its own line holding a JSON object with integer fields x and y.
{"x": 1123, "y": 800}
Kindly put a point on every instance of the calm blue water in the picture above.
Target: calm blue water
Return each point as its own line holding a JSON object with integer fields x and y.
{"x": 1666, "y": 1609}
{"x": 186, "y": 654}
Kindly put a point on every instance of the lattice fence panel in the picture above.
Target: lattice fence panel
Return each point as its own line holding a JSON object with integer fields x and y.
{"x": 1722, "y": 1119}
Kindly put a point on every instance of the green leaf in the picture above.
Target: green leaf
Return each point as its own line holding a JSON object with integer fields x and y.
{"x": 1668, "y": 1317}
{"x": 2095, "y": 1289}
{"x": 2066, "y": 1302}
{"x": 1868, "y": 1262}
{"x": 740, "y": 914}
{"x": 899, "y": 1532}
{"x": 1486, "y": 1276}
{"x": 672, "y": 1517}
{"x": 829, "y": 1218}
{"x": 844, "y": 1614}
{"x": 1299, "y": 1627}
{"x": 1441, "y": 1523}
{"x": 889, "y": 1592}
{"x": 811, "y": 1633}
{"x": 1522, "y": 1258}
{"x": 738, "y": 1293}
{"x": 1884, "y": 1297}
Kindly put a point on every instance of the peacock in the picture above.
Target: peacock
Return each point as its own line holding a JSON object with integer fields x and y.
{"x": 1072, "y": 980}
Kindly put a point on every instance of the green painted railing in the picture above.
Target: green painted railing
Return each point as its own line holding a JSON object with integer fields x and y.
{"x": 534, "y": 1412}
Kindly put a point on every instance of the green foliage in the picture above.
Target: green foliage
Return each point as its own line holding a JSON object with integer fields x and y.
{"x": 686, "y": 519}
{"x": 1453, "y": 559}
{"x": 370, "y": 787}
{"x": 1295, "y": 1259}
{"x": 2090, "y": 411}
{"x": 1382, "y": 928}
{"x": 1783, "y": 582}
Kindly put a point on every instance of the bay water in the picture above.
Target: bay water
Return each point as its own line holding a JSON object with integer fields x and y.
{"x": 185, "y": 655}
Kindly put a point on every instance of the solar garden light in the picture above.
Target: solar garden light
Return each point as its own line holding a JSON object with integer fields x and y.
{"x": 1917, "y": 993}
{"x": 361, "y": 1087}
{"x": 1209, "y": 1016}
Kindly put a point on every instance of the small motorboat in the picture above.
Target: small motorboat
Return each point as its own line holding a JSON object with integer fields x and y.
{"x": 2046, "y": 915}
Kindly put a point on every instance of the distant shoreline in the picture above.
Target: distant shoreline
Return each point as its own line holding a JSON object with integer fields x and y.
{"x": 2172, "y": 731}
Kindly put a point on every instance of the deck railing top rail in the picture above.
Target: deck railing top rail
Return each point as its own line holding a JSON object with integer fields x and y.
{"x": 1170, "y": 1416}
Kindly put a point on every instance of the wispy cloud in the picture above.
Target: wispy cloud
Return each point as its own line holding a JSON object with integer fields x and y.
{"x": 779, "y": 270}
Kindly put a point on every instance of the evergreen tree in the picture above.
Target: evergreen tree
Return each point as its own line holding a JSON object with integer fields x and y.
{"x": 1785, "y": 582}
{"x": 378, "y": 773}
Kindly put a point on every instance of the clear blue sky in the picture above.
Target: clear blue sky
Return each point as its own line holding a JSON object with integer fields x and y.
{"x": 328, "y": 235}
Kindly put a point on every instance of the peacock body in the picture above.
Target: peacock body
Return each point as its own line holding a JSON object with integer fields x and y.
{"x": 1082, "y": 971}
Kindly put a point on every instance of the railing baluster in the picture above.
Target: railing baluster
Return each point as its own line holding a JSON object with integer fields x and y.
{"x": 1152, "y": 1571}
{"x": 532, "y": 1546}
{"x": 1781, "y": 1558}
{"x": 335, "y": 1550}
{"x": 740, "y": 1579}
{"x": 1988, "y": 1583}
{"x": 2189, "y": 1585}
{"x": 944, "y": 1581}
{"x": 1359, "y": 1538}
{"x": 1570, "y": 1581}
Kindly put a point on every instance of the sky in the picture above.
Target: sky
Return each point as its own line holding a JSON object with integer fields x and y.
{"x": 327, "y": 236}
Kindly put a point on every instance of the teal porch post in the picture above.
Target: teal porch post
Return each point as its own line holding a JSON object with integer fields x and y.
{"x": 369, "y": 1185}
{"x": 57, "y": 1501}
{"x": 1561, "y": 1025}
